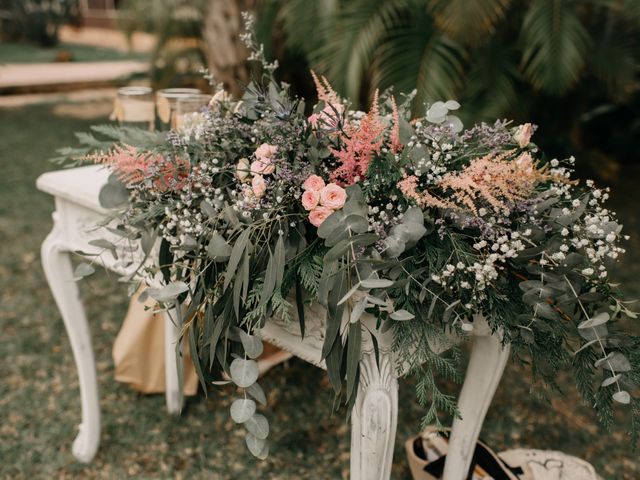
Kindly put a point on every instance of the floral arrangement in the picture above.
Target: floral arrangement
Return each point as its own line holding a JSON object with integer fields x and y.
{"x": 260, "y": 207}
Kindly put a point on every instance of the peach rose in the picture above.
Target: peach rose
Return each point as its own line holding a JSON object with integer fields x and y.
{"x": 523, "y": 134}
{"x": 259, "y": 186}
{"x": 262, "y": 167}
{"x": 333, "y": 196}
{"x": 310, "y": 199}
{"x": 266, "y": 151}
{"x": 313, "y": 183}
{"x": 319, "y": 215}
{"x": 243, "y": 169}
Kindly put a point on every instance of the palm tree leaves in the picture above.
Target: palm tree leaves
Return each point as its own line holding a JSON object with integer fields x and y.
{"x": 415, "y": 54}
{"x": 352, "y": 38}
{"x": 555, "y": 45}
{"x": 491, "y": 87}
{"x": 468, "y": 22}
{"x": 484, "y": 51}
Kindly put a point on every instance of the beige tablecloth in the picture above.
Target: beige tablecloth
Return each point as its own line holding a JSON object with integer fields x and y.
{"x": 138, "y": 352}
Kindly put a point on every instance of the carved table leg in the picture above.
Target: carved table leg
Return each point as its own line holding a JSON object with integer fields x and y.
{"x": 59, "y": 273}
{"x": 374, "y": 419}
{"x": 486, "y": 365}
{"x": 173, "y": 392}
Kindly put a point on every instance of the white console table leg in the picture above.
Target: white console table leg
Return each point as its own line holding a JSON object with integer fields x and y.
{"x": 374, "y": 419}
{"x": 173, "y": 392}
{"x": 59, "y": 273}
{"x": 486, "y": 365}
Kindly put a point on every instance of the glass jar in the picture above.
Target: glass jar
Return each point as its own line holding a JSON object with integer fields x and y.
{"x": 134, "y": 107}
{"x": 166, "y": 104}
{"x": 189, "y": 110}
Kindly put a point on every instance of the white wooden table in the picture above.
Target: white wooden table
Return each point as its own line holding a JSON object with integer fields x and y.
{"x": 374, "y": 417}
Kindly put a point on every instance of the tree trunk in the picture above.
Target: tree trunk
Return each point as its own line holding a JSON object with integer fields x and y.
{"x": 226, "y": 52}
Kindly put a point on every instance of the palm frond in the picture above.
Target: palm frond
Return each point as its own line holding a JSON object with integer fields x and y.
{"x": 468, "y": 22}
{"x": 415, "y": 54}
{"x": 490, "y": 89}
{"x": 555, "y": 45}
{"x": 352, "y": 38}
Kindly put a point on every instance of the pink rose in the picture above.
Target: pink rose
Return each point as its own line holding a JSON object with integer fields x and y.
{"x": 266, "y": 151}
{"x": 310, "y": 199}
{"x": 313, "y": 183}
{"x": 259, "y": 186}
{"x": 333, "y": 196}
{"x": 523, "y": 134}
{"x": 319, "y": 215}
{"x": 262, "y": 167}
{"x": 243, "y": 169}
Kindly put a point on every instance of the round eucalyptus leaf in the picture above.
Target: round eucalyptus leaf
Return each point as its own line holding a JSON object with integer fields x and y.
{"x": 256, "y": 392}
{"x": 242, "y": 410}
{"x": 599, "y": 319}
{"x": 256, "y": 446}
{"x": 244, "y": 372}
{"x": 622, "y": 397}
{"x": 611, "y": 380}
{"x": 467, "y": 327}
{"x": 252, "y": 345}
{"x": 83, "y": 270}
{"x": 258, "y": 426}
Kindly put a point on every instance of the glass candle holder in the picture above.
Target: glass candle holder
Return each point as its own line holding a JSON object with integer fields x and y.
{"x": 134, "y": 106}
{"x": 189, "y": 110}
{"x": 166, "y": 104}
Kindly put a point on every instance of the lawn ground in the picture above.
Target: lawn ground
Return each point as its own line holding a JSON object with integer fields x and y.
{"x": 29, "y": 53}
{"x": 39, "y": 401}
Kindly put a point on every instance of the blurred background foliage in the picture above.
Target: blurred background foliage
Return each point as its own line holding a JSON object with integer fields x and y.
{"x": 35, "y": 21}
{"x": 569, "y": 65}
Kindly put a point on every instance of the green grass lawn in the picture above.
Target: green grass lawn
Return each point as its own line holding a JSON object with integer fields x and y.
{"x": 29, "y": 53}
{"x": 39, "y": 399}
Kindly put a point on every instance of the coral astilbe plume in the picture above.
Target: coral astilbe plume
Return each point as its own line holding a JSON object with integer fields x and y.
{"x": 496, "y": 180}
{"x": 133, "y": 167}
{"x": 394, "y": 137}
{"x": 360, "y": 142}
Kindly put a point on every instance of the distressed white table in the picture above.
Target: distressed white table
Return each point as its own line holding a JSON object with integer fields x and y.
{"x": 374, "y": 418}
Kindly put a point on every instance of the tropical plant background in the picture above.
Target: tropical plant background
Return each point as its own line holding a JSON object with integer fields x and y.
{"x": 569, "y": 65}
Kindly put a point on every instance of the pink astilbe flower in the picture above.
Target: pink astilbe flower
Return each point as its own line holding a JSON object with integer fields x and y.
{"x": 133, "y": 168}
{"x": 359, "y": 144}
{"x": 493, "y": 180}
{"x": 325, "y": 92}
{"x": 394, "y": 137}
{"x": 333, "y": 108}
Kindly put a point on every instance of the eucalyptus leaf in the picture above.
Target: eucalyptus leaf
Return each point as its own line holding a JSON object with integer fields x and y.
{"x": 168, "y": 292}
{"x": 103, "y": 243}
{"x": 242, "y": 410}
{"x": 255, "y": 390}
{"x": 376, "y": 283}
{"x": 83, "y": 270}
{"x": 244, "y": 372}
{"x": 255, "y": 445}
{"x": 258, "y": 426}
{"x": 611, "y": 380}
{"x": 358, "y": 310}
{"x": 599, "y": 319}
{"x": 622, "y": 397}
{"x": 252, "y": 345}
{"x": 113, "y": 194}
{"x": 401, "y": 316}
{"x": 218, "y": 248}
{"x": 349, "y": 294}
